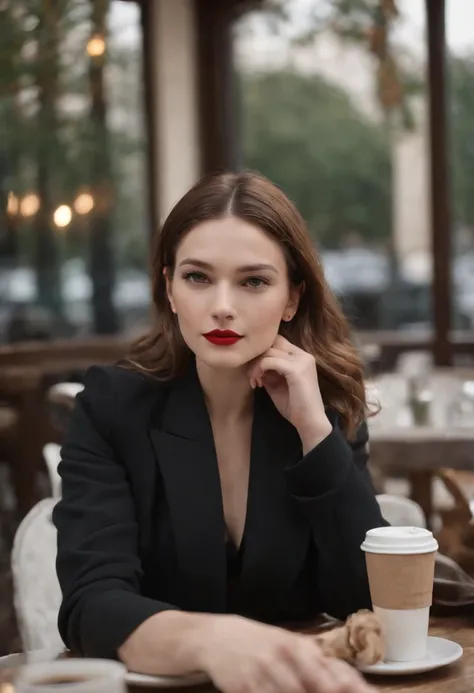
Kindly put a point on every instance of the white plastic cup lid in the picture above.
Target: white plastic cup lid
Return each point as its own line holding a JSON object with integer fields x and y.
{"x": 399, "y": 540}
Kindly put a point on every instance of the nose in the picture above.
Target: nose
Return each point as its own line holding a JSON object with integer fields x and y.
{"x": 223, "y": 307}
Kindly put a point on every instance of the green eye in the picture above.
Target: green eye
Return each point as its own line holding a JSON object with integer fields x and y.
{"x": 195, "y": 277}
{"x": 255, "y": 282}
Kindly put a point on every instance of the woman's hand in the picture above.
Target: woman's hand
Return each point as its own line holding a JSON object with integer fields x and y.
{"x": 243, "y": 656}
{"x": 290, "y": 377}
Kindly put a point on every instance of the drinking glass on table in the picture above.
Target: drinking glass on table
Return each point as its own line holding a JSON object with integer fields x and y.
{"x": 420, "y": 397}
{"x": 462, "y": 408}
{"x": 72, "y": 676}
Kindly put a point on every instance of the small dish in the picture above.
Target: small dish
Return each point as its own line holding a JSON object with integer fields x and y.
{"x": 147, "y": 681}
{"x": 440, "y": 652}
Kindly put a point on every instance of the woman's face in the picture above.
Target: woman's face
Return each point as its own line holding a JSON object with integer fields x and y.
{"x": 230, "y": 291}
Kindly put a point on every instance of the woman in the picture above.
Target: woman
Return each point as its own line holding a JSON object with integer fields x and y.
{"x": 222, "y": 469}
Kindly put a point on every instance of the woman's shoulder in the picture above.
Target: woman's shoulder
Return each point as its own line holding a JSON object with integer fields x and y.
{"x": 118, "y": 373}
{"x": 124, "y": 387}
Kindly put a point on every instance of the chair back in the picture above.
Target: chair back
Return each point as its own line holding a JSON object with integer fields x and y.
{"x": 36, "y": 589}
{"x": 52, "y": 458}
{"x": 400, "y": 511}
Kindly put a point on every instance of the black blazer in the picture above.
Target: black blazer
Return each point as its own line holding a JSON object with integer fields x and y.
{"x": 141, "y": 527}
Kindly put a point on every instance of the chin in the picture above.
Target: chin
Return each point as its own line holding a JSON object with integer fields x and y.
{"x": 227, "y": 357}
{"x": 222, "y": 358}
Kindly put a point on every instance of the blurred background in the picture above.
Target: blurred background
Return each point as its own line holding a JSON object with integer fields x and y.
{"x": 361, "y": 110}
{"x": 110, "y": 109}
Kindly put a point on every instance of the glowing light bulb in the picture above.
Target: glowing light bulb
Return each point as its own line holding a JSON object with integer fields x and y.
{"x": 84, "y": 203}
{"x": 62, "y": 216}
{"x": 96, "y": 46}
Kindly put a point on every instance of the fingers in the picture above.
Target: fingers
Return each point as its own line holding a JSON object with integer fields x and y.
{"x": 280, "y": 365}
{"x": 281, "y": 353}
{"x": 284, "y": 358}
{"x": 321, "y": 674}
{"x": 313, "y": 673}
{"x": 269, "y": 363}
{"x": 282, "y": 343}
{"x": 282, "y": 678}
{"x": 263, "y": 365}
{"x": 346, "y": 678}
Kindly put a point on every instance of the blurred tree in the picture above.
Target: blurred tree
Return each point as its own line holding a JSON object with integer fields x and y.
{"x": 461, "y": 112}
{"x": 102, "y": 262}
{"x": 307, "y": 136}
{"x": 11, "y": 40}
{"x": 366, "y": 23}
{"x": 69, "y": 119}
{"x": 46, "y": 17}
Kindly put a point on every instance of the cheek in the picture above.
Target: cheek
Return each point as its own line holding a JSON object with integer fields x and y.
{"x": 191, "y": 314}
{"x": 189, "y": 321}
{"x": 185, "y": 301}
{"x": 265, "y": 322}
{"x": 269, "y": 310}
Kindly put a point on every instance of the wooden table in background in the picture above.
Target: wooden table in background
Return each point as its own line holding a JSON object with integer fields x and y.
{"x": 417, "y": 452}
{"x": 401, "y": 445}
{"x": 456, "y": 678}
{"x": 26, "y": 371}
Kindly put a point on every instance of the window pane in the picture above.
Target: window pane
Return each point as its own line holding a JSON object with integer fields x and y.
{"x": 460, "y": 106}
{"x": 74, "y": 226}
{"x": 344, "y": 132}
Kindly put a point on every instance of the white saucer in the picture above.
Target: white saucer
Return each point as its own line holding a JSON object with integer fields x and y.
{"x": 165, "y": 681}
{"x": 16, "y": 660}
{"x": 440, "y": 653}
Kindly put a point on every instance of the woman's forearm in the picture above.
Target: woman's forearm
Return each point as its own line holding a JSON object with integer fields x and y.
{"x": 168, "y": 643}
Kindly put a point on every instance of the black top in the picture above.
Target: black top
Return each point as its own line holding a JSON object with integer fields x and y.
{"x": 234, "y": 569}
{"x": 141, "y": 526}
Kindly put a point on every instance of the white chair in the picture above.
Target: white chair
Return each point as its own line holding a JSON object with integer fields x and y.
{"x": 37, "y": 593}
{"x": 400, "y": 511}
{"x": 65, "y": 391}
{"x": 52, "y": 458}
{"x": 61, "y": 399}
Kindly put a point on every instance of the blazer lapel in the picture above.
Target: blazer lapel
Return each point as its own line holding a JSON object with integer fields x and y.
{"x": 184, "y": 447}
{"x": 276, "y": 533}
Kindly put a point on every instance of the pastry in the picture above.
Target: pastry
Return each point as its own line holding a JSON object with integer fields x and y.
{"x": 359, "y": 641}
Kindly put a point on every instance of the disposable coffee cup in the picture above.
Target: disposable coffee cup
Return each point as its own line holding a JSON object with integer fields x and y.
{"x": 400, "y": 566}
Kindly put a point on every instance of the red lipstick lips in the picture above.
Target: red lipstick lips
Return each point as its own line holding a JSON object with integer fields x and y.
{"x": 222, "y": 337}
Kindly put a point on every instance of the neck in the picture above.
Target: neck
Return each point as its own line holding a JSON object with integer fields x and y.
{"x": 227, "y": 392}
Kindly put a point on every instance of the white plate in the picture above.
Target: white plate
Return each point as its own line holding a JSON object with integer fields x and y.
{"x": 16, "y": 660}
{"x": 440, "y": 653}
{"x": 165, "y": 681}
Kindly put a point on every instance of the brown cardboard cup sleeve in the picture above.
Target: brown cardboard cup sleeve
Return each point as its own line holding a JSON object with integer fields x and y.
{"x": 400, "y": 581}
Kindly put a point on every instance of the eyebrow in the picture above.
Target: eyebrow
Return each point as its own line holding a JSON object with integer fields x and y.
{"x": 244, "y": 268}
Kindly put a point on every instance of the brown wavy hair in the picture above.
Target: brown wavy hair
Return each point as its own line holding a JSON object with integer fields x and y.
{"x": 319, "y": 326}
